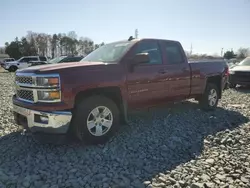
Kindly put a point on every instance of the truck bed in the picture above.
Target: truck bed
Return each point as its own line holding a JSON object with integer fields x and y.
{"x": 202, "y": 69}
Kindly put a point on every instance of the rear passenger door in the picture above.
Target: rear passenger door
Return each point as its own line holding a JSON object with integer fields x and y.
{"x": 146, "y": 83}
{"x": 178, "y": 74}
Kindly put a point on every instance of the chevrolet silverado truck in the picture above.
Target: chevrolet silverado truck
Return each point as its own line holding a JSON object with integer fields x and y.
{"x": 90, "y": 99}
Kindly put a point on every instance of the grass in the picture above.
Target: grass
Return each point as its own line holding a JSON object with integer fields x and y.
{"x": 2, "y": 70}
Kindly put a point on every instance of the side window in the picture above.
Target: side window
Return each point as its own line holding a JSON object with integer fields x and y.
{"x": 173, "y": 53}
{"x": 24, "y": 60}
{"x": 65, "y": 60}
{"x": 152, "y": 48}
{"x": 42, "y": 58}
{"x": 33, "y": 59}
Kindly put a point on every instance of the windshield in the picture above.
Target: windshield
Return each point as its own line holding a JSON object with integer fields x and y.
{"x": 245, "y": 62}
{"x": 110, "y": 52}
{"x": 56, "y": 59}
{"x": 20, "y": 59}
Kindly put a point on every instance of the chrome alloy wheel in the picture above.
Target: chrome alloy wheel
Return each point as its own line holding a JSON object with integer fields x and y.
{"x": 212, "y": 97}
{"x": 99, "y": 121}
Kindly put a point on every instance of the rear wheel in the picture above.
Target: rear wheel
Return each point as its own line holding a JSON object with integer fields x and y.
{"x": 209, "y": 100}
{"x": 95, "y": 120}
{"x": 12, "y": 69}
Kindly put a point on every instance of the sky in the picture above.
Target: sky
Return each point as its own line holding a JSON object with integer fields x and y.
{"x": 208, "y": 25}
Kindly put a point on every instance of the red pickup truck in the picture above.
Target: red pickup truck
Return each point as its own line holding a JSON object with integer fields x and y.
{"x": 91, "y": 98}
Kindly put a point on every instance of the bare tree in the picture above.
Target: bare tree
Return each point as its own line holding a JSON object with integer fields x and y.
{"x": 54, "y": 45}
{"x": 2, "y": 50}
{"x": 243, "y": 53}
{"x": 72, "y": 35}
{"x": 81, "y": 46}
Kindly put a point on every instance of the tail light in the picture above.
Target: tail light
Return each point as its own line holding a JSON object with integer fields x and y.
{"x": 227, "y": 71}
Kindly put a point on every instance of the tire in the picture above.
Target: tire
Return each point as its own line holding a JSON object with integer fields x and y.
{"x": 12, "y": 69}
{"x": 205, "y": 101}
{"x": 84, "y": 112}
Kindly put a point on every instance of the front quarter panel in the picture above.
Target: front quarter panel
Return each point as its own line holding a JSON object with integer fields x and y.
{"x": 83, "y": 79}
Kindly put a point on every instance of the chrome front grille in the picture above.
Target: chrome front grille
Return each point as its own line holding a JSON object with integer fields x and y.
{"x": 25, "y": 95}
{"x": 24, "y": 80}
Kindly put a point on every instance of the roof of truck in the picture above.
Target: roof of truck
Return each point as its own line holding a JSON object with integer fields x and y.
{"x": 139, "y": 39}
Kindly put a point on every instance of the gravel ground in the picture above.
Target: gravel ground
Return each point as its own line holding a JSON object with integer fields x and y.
{"x": 180, "y": 146}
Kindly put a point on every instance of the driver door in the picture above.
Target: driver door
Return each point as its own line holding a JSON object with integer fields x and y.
{"x": 145, "y": 84}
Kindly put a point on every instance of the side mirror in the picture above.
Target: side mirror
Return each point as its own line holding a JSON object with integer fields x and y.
{"x": 139, "y": 59}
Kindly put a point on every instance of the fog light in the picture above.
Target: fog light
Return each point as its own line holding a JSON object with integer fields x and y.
{"x": 41, "y": 119}
{"x": 44, "y": 119}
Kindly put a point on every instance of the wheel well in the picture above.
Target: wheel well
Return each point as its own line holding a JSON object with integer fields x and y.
{"x": 217, "y": 81}
{"x": 113, "y": 93}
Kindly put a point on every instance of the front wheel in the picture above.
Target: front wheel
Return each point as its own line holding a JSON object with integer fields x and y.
{"x": 210, "y": 97}
{"x": 95, "y": 120}
{"x": 12, "y": 69}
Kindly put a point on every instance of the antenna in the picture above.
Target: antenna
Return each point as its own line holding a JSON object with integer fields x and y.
{"x": 136, "y": 33}
{"x": 191, "y": 49}
{"x": 221, "y": 53}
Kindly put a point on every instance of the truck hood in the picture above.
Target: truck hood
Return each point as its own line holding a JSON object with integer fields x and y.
{"x": 60, "y": 66}
{"x": 241, "y": 68}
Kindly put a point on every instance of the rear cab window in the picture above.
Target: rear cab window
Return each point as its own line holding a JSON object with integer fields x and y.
{"x": 173, "y": 52}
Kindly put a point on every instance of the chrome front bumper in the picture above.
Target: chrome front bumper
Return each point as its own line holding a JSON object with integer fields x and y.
{"x": 39, "y": 121}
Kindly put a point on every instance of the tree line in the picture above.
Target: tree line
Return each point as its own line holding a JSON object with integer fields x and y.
{"x": 69, "y": 44}
{"x": 241, "y": 54}
{"x": 50, "y": 45}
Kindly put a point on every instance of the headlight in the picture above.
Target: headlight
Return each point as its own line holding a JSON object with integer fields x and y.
{"x": 48, "y": 95}
{"x": 231, "y": 72}
{"x": 47, "y": 81}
